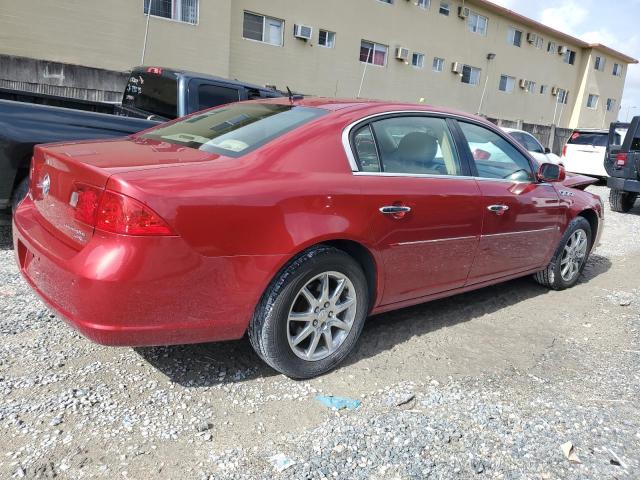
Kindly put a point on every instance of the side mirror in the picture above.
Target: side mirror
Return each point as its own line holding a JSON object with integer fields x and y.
{"x": 547, "y": 150}
{"x": 550, "y": 172}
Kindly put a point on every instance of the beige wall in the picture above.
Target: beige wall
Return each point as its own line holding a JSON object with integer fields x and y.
{"x": 88, "y": 33}
{"x": 110, "y": 34}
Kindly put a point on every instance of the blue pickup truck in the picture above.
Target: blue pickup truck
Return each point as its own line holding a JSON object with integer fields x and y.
{"x": 152, "y": 95}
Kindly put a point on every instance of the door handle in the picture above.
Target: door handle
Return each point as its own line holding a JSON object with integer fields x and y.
{"x": 395, "y": 209}
{"x": 498, "y": 209}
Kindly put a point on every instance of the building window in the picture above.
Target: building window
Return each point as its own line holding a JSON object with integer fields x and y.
{"x": 539, "y": 43}
{"x": 552, "y": 48}
{"x": 417, "y": 60}
{"x": 563, "y": 96}
{"x": 611, "y": 104}
{"x": 423, "y": 3}
{"x": 438, "y": 64}
{"x": 600, "y": 63}
{"x": 544, "y": 89}
{"x": 569, "y": 57}
{"x": 470, "y": 75}
{"x": 373, "y": 53}
{"x": 262, "y": 29}
{"x": 506, "y": 83}
{"x": 530, "y": 86}
{"x": 514, "y": 37}
{"x": 617, "y": 69}
{"x": 445, "y": 8}
{"x": 179, "y": 10}
{"x": 326, "y": 39}
{"x": 477, "y": 24}
{"x": 592, "y": 101}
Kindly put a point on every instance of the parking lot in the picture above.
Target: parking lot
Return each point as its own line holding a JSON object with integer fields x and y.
{"x": 487, "y": 384}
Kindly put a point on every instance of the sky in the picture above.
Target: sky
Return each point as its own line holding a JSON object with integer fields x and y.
{"x": 613, "y": 23}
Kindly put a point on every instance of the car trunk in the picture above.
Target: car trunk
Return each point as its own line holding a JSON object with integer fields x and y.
{"x": 59, "y": 172}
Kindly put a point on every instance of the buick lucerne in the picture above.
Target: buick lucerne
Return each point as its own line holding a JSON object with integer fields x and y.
{"x": 291, "y": 221}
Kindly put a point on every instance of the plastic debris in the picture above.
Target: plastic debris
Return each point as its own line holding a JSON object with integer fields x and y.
{"x": 281, "y": 462}
{"x": 570, "y": 452}
{"x": 339, "y": 403}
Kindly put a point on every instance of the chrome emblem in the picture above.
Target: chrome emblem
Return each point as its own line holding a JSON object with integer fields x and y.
{"x": 45, "y": 185}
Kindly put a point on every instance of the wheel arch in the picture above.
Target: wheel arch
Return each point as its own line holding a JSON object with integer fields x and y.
{"x": 592, "y": 217}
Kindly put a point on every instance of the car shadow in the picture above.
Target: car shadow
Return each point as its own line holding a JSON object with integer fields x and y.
{"x": 211, "y": 364}
{"x": 6, "y": 238}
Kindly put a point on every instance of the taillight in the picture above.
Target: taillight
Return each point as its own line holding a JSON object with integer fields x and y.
{"x": 85, "y": 199}
{"x": 118, "y": 213}
{"x": 564, "y": 151}
{"x": 621, "y": 160}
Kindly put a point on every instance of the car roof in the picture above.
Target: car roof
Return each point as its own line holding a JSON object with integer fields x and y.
{"x": 590, "y": 130}
{"x": 376, "y": 106}
{"x": 514, "y": 130}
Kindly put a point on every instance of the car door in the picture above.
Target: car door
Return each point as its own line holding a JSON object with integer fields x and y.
{"x": 521, "y": 217}
{"x": 426, "y": 218}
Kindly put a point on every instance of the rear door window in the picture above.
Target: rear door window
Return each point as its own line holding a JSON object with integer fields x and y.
{"x": 214, "y": 95}
{"x": 416, "y": 145}
{"x": 235, "y": 129}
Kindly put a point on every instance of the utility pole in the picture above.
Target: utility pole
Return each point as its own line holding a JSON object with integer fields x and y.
{"x": 373, "y": 46}
{"x": 146, "y": 33}
{"x": 490, "y": 57}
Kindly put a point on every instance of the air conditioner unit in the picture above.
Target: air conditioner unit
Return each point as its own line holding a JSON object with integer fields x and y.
{"x": 463, "y": 12}
{"x": 456, "y": 67}
{"x": 524, "y": 83}
{"x": 303, "y": 32}
{"x": 555, "y": 91}
{"x": 532, "y": 37}
{"x": 562, "y": 50}
{"x": 402, "y": 54}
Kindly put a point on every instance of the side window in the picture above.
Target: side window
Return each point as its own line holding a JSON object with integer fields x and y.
{"x": 366, "y": 151}
{"x": 531, "y": 144}
{"x": 418, "y": 145}
{"x": 214, "y": 95}
{"x": 494, "y": 156}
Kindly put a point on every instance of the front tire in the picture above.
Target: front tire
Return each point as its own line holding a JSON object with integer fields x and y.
{"x": 621, "y": 201}
{"x": 311, "y": 315}
{"x": 570, "y": 258}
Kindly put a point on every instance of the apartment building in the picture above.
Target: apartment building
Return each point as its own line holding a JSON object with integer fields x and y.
{"x": 471, "y": 55}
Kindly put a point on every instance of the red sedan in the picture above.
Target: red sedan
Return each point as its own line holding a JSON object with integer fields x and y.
{"x": 291, "y": 221}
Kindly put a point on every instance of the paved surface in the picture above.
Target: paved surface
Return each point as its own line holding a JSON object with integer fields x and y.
{"x": 488, "y": 384}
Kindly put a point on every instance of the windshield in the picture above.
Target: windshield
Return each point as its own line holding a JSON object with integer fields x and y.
{"x": 589, "y": 138}
{"x": 235, "y": 129}
{"x": 154, "y": 94}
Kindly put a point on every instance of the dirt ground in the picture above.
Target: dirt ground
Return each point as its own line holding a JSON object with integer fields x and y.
{"x": 72, "y": 409}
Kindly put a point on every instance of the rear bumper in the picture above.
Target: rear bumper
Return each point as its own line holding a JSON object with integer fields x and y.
{"x": 138, "y": 291}
{"x": 623, "y": 184}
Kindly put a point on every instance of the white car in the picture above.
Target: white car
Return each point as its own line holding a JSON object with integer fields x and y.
{"x": 585, "y": 151}
{"x": 533, "y": 146}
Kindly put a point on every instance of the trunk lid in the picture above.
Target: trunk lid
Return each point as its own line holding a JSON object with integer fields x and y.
{"x": 62, "y": 169}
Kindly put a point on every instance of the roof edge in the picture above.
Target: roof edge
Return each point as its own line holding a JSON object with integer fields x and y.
{"x": 541, "y": 26}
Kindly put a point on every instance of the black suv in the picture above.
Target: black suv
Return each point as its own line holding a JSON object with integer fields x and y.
{"x": 622, "y": 163}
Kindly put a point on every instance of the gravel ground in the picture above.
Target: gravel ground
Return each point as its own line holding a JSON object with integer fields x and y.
{"x": 487, "y": 384}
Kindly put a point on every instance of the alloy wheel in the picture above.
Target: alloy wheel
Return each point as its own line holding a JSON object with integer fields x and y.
{"x": 573, "y": 256}
{"x": 321, "y": 316}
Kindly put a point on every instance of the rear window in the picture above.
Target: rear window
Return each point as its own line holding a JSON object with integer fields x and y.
{"x": 153, "y": 94}
{"x": 594, "y": 139}
{"x": 235, "y": 129}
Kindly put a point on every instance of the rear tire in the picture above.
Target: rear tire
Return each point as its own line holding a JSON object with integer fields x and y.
{"x": 570, "y": 258}
{"x": 19, "y": 193}
{"x": 621, "y": 201}
{"x": 304, "y": 327}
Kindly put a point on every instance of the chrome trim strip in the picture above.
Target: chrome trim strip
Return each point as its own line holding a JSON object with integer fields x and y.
{"x": 417, "y": 175}
{"x": 520, "y": 232}
{"x": 439, "y": 240}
